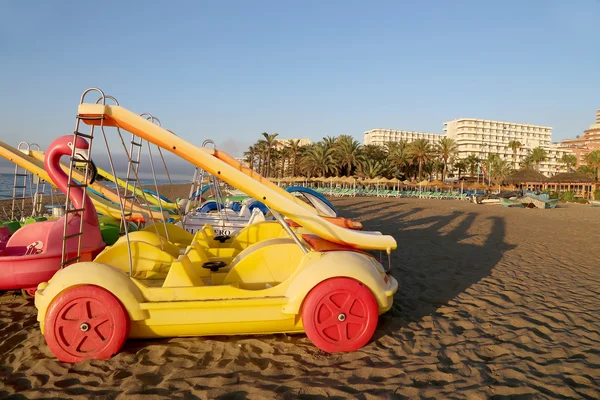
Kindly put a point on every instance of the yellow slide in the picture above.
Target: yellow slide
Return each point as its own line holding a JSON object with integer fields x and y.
{"x": 251, "y": 183}
{"x": 151, "y": 199}
{"x": 36, "y": 167}
{"x": 138, "y": 211}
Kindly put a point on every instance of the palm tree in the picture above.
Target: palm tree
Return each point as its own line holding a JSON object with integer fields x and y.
{"x": 586, "y": 170}
{"x": 515, "y": 145}
{"x": 500, "y": 169}
{"x": 373, "y": 168}
{"x": 319, "y": 160}
{"x": 249, "y": 156}
{"x": 260, "y": 149}
{"x": 329, "y": 141}
{"x": 460, "y": 166}
{"x": 472, "y": 162}
{"x": 421, "y": 152}
{"x": 374, "y": 152}
{"x": 570, "y": 160}
{"x": 348, "y": 151}
{"x": 397, "y": 154}
{"x": 446, "y": 148}
{"x": 269, "y": 141}
{"x": 294, "y": 148}
{"x": 593, "y": 162}
{"x": 538, "y": 155}
{"x": 527, "y": 162}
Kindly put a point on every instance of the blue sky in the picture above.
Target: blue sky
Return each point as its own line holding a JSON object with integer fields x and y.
{"x": 230, "y": 70}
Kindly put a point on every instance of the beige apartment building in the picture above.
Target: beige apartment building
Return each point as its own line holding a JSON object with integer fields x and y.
{"x": 281, "y": 143}
{"x": 383, "y": 136}
{"x": 583, "y": 145}
{"x": 483, "y": 137}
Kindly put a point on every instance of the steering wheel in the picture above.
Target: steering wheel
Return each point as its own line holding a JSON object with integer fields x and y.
{"x": 222, "y": 238}
{"x": 214, "y": 265}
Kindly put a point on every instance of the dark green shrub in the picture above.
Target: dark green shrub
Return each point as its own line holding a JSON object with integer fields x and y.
{"x": 567, "y": 196}
{"x": 597, "y": 194}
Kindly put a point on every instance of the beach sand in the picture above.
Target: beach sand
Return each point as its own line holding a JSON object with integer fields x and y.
{"x": 493, "y": 303}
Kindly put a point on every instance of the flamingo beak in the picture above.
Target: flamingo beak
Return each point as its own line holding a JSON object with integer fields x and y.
{"x": 81, "y": 154}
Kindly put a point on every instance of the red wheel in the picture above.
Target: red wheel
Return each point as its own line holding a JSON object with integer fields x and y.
{"x": 86, "y": 322}
{"x": 340, "y": 315}
{"x": 29, "y": 292}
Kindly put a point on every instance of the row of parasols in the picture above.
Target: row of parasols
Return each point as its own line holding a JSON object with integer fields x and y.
{"x": 350, "y": 180}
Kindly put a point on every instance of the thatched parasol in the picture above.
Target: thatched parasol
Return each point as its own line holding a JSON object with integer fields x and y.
{"x": 347, "y": 179}
{"x": 570, "y": 177}
{"x": 477, "y": 186}
{"x": 524, "y": 175}
{"x": 437, "y": 183}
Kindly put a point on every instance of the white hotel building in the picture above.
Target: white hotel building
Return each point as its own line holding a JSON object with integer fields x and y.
{"x": 483, "y": 137}
{"x": 382, "y": 136}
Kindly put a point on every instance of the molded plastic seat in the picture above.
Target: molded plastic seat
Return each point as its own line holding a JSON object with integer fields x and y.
{"x": 183, "y": 274}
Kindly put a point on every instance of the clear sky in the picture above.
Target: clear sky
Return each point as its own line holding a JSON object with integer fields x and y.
{"x": 229, "y": 70}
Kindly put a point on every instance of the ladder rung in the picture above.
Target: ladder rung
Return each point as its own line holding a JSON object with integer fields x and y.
{"x": 84, "y": 135}
{"x": 134, "y": 162}
{"x": 81, "y": 161}
{"x": 136, "y": 143}
{"x": 72, "y": 235}
{"x": 79, "y": 185}
{"x": 70, "y": 260}
{"x": 21, "y": 175}
{"x": 20, "y": 187}
{"x": 74, "y": 210}
{"x": 91, "y": 118}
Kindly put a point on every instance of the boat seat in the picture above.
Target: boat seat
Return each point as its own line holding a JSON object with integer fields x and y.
{"x": 270, "y": 261}
{"x": 323, "y": 245}
{"x": 183, "y": 274}
{"x": 339, "y": 221}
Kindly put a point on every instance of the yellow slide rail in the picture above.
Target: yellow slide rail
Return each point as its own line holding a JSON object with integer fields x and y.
{"x": 251, "y": 183}
{"x": 105, "y": 191}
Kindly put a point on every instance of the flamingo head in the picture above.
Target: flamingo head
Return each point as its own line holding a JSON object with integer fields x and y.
{"x": 80, "y": 150}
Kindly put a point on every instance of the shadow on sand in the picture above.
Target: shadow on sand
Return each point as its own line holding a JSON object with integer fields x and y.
{"x": 438, "y": 256}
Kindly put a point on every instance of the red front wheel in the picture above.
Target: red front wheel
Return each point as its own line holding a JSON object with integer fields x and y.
{"x": 86, "y": 322}
{"x": 340, "y": 315}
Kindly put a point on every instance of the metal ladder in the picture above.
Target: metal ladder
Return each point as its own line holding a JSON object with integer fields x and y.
{"x": 73, "y": 163}
{"x": 133, "y": 165}
{"x": 21, "y": 179}
{"x": 37, "y": 190}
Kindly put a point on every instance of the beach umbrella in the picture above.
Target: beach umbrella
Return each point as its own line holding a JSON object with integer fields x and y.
{"x": 437, "y": 183}
{"x": 477, "y": 186}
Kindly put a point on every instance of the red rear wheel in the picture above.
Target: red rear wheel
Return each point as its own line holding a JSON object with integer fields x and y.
{"x": 340, "y": 315}
{"x": 86, "y": 322}
{"x": 29, "y": 292}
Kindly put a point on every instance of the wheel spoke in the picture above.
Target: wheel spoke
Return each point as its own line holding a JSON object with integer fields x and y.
{"x": 78, "y": 339}
{"x": 68, "y": 325}
{"x": 343, "y": 330}
{"x": 323, "y": 327}
{"x": 347, "y": 306}
{"x": 355, "y": 319}
{"x": 334, "y": 308}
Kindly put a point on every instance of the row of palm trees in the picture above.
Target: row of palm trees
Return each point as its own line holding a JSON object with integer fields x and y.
{"x": 343, "y": 155}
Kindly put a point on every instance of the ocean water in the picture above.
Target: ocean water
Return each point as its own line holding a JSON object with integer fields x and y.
{"x": 7, "y": 184}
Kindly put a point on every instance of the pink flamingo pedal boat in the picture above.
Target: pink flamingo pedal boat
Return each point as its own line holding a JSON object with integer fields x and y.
{"x": 34, "y": 253}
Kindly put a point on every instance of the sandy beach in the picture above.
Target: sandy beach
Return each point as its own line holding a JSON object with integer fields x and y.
{"x": 493, "y": 303}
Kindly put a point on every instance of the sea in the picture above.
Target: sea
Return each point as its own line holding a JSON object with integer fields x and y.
{"x": 7, "y": 185}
